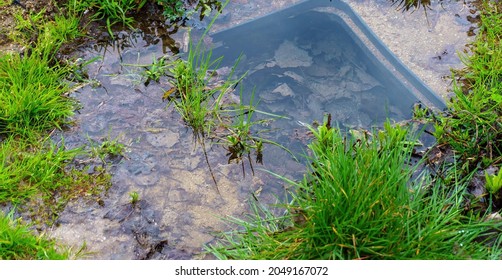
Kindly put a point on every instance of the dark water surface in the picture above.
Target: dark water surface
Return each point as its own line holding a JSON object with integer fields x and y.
{"x": 305, "y": 66}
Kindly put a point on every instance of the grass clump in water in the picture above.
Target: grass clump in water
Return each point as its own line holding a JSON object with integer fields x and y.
{"x": 207, "y": 103}
{"x": 192, "y": 94}
{"x": 357, "y": 202}
{"x": 199, "y": 101}
{"x": 193, "y": 102}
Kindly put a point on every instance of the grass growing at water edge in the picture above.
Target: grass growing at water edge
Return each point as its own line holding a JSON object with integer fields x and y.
{"x": 357, "y": 203}
{"x": 19, "y": 243}
{"x": 27, "y": 170}
{"x": 472, "y": 124}
{"x": 32, "y": 94}
{"x": 123, "y": 12}
{"x": 34, "y": 174}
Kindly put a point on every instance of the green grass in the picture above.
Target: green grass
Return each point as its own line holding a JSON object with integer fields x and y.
{"x": 176, "y": 10}
{"x": 64, "y": 28}
{"x": 32, "y": 94}
{"x": 241, "y": 130}
{"x": 18, "y": 242}
{"x": 134, "y": 198}
{"x": 194, "y": 99}
{"x": 27, "y": 26}
{"x": 44, "y": 32}
{"x": 27, "y": 170}
{"x": 34, "y": 101}
{"x": 33, "y": 90}
{"x": 193, "y": 95}
{"x": 123, "y": 12}
{"x": 34, "y": 173}
{"x": 472, "y": 125}
{"x": 173, "y": 9}
{"x": 357, "y": 203}
{"x": 198, "y": 94}
{"x": 112, "y": 12}
{"x": 108, "y": 149}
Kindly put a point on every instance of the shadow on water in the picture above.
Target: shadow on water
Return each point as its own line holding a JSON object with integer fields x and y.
{"x": 300, "y": 66}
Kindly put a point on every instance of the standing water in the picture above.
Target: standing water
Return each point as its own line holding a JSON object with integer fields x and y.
{"x": 317, "y": 58}
{"x": 301, "y": 63}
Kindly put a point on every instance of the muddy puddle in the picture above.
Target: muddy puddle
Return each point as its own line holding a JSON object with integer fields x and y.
{"x": 180, "y": 208}
{"x": 298, "y": 70}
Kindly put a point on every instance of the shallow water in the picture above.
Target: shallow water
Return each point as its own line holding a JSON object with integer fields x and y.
{"x": 180, "y": 207}
{"x": 430, "y": 44}
{"x": 303, "y": 72}
{"x": 310, "y": 65}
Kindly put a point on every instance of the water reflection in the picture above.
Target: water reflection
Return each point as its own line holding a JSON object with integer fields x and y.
{"x": 304, "y": 65}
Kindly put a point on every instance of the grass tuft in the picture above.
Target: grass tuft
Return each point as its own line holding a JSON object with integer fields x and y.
{"x": 357, "y": 203}
{"x": 472, "y": 125}
{"x": 17, "y": 242}
{"x": 27, "y": 170}
{"x": 32, "y": 94}
{"x": 112, "y": 12}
